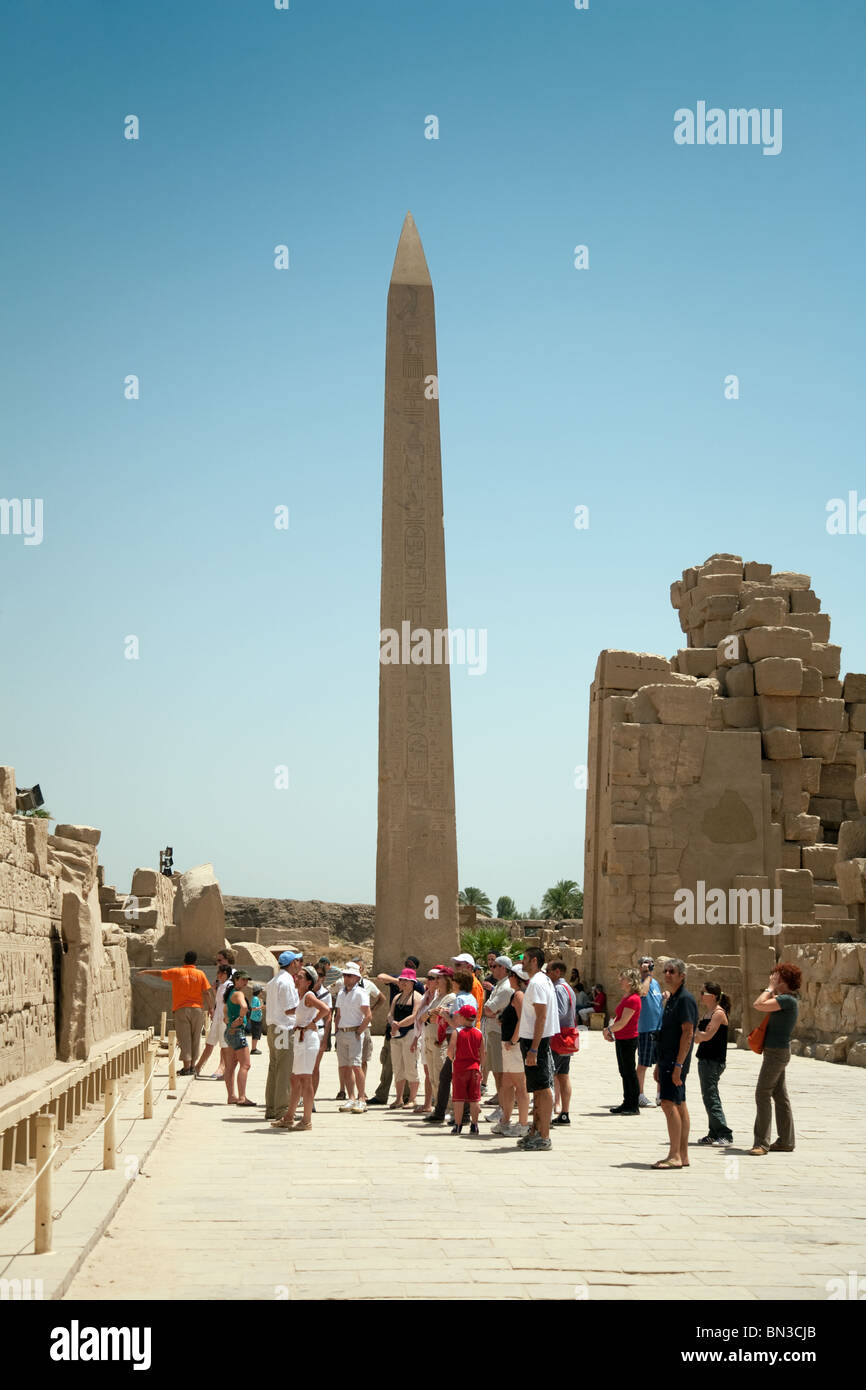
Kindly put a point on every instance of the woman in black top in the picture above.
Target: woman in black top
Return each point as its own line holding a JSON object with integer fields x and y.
{"x": 712, "y": 1060}
{"x": 401, "y": 1019}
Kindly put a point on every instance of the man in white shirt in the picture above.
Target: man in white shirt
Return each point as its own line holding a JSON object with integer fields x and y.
{"x": 539, "y": 1022}
{"x": 351, "y": 1022}
{"x": 281, "y": 1001}
{"x": 497, "y": 999}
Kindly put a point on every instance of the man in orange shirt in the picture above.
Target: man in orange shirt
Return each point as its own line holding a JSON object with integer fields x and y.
{"x": 190, "y": 994}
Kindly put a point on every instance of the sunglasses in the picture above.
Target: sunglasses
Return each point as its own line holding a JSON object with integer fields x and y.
{"x": 669, "y": 971}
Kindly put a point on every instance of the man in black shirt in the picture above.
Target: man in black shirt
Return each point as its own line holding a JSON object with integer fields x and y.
{"x": 674, "y": 1044}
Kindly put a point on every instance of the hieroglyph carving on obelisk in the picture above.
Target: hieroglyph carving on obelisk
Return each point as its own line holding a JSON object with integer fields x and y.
{"x": 416, "y": 860}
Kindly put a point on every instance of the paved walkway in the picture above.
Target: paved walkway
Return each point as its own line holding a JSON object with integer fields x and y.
{"x": 381, "y": 1206}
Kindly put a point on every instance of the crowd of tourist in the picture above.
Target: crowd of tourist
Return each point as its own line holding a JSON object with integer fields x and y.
{"x": 460, "y": 1031}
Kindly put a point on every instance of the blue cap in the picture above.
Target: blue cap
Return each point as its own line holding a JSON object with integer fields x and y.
{"x": 288, "y": 956}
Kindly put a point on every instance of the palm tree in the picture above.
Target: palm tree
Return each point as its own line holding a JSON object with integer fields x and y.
{"x": 474, "y": 897}
{"x": 564, "y": 900}
{"x": 505, "y": 908}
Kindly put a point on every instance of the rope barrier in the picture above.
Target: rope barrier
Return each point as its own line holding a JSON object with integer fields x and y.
{"x": 19, "y": 1200}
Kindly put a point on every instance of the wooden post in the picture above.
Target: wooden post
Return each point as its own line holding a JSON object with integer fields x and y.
{"x": 162, "y": 1029}
{"x": 109, "y": 1129}
{"x": 172, "y": 1065}
{"x": 150, "y": 1065}
{"x": 44, "y": 1185}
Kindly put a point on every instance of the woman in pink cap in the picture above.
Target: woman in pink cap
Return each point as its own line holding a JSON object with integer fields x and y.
{"x": 401, "y": 1021}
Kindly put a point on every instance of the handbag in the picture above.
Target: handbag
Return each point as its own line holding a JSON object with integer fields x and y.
{"x": 565, "y": 1042}
{"x": 757, "y": 1035}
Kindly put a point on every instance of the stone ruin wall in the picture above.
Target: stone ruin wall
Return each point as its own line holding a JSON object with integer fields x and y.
{"x": 740, "y": 761}
{"x": 64, "y": 980}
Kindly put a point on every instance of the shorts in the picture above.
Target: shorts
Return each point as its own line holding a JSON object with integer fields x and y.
{"x": 306, "y": 1051}
{"x": 255, "y": 1029}
{"x": 539, "y": 1077}
{"x": 512, "y": 1060}
{"x": 235, "y": 1040}
{"x": 350, "y": 1047}
{"x": 466, "y": 1085}
{"x": 667, "y": 1089}
{"x": 646, "y": 1049}
{"x": 493, "y": 1044}
{"x": 561, "y": 1063}
{"x": 367, "y": 1047}
{"x": 216, "y": 1035}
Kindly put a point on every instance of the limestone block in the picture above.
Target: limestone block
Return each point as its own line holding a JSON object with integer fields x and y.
{"x": 641, "y": 709}
{"x": 820, "y": 860}
{"x": 831, "y": 687}
{"x": 740, "y": 712}
{"x": 777, "y": 675}
{"x": 857, "y": 718}
{"x": 851, "y": 877}
{"x": 803, "y": 828}
{"x": 827, "y": 894}
{"x": 860, "y": 793}
{"x": 740, "y": 680}
{"x": 714, "y": 608}
{"x": 683, "y": 705}
{"x": 854, "y": 688}
{"x": 140, "y": 948}
{"x": 622, "y": 670}
{"x": 198, "y": 911}
{"x": 717, "y": 584}
{"x": 820, "y": 744}
{"x": 695, "y": 661}
{"x": 781, "y": 743}
{"x": 677, "y": 593}
{"x": 761, "y": 612}
{"x": 828, "y": 809}
{"x": 762, "y": 642}
{"x": 796, "y": 886}
{"x": 36, "y": 832}
{"x": 810, "y": 775}
{"x": 820, "y": 713}
{"x": 837, "y": 779}
{"x": 847, "y": 963}
{"x": 805, "y": 601}
{"x": 832, "y": 1052}
{"x": 789, "y": 579}
{"x": 249, "y": 953}
{"x": 777, "y": 711}
{"x": 852, "y": 840}
{"x": 849, "y": 745}
{"x": 731, "y": 650}
{"x": 690, "y": 760}
{"x": 8, "y": 794}
{"x": 816, "y": 623}
{"x": 752, "y": 569}
{"x": 813, "y": 681}
{"x": 857, "y": 1055}
{"x": 721, "y": 564}
{"x": 827, "y": 657}
{"x": 144, "y": 883}
{"x": 716, "y": 716}
{"x": 753, "y": 589}
{"x": 86, "y": 834}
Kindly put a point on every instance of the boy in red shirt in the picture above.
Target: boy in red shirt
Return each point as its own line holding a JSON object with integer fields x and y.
{"x": 466, "y": 1050}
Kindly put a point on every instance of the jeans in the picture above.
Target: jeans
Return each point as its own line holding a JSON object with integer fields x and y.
{"x": 770, "y": 1090}
{"x": 626, "y": 1053}
{"x": 709, "y": 1075}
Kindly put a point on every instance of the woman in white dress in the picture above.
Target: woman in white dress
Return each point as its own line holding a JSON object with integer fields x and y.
{"x": 216, "y": 1037}
{"x": 308, "y": 1042}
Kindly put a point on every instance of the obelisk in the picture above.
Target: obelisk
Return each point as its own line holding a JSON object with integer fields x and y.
{"x": 416, "y": 858}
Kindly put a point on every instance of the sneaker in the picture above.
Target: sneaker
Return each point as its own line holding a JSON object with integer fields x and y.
{"x": 616, "y": 1109}
{"x": 497, "y": 1128}
{"x": 642, "y": 1100}
{"x": 495, "y": 1115}
{"x": 623, "y": 1111}
{"x": 449, "y": 1118}
{"x": 341, "y": 1095}
{"x": 724, "y": 1143}
{"x": 707, "y": 1139}
{"x": 357, "y": 1107}
{"x": 528, "y": 1134}
{"x": 347, "y": 1105}
{"x": 535, "y": 1142}
{"x": 562, "y": 1119}
{"x": 473, "y": 1129}
{"x": 374, "y": 1100}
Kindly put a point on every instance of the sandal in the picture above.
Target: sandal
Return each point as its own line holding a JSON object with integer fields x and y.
{"x": 247, "y": 1102}
{"x": 281, "y": 1124}
{"x": 666, "y": 1163}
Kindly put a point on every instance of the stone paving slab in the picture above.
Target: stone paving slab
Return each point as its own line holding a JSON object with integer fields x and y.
{"x": 588, "y": 1219}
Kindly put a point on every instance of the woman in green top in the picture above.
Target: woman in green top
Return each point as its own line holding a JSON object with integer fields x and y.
{"x": 779, "y": 1001}
{"x": 237, "y": 1052}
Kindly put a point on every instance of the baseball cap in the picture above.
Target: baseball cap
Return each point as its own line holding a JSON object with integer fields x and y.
{"x": 465, "y": 959}
{"x": 503, "y": 960}
{"x": 467, "y": 1011}
{"x": 519, "y": 971}
{"x": 288, "y": 956}
{"x": 646, "y": 960}
{"x": 352, "y": 969}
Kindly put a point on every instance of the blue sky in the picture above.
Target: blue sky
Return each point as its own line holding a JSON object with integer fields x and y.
{"x": 261, "y": 387}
